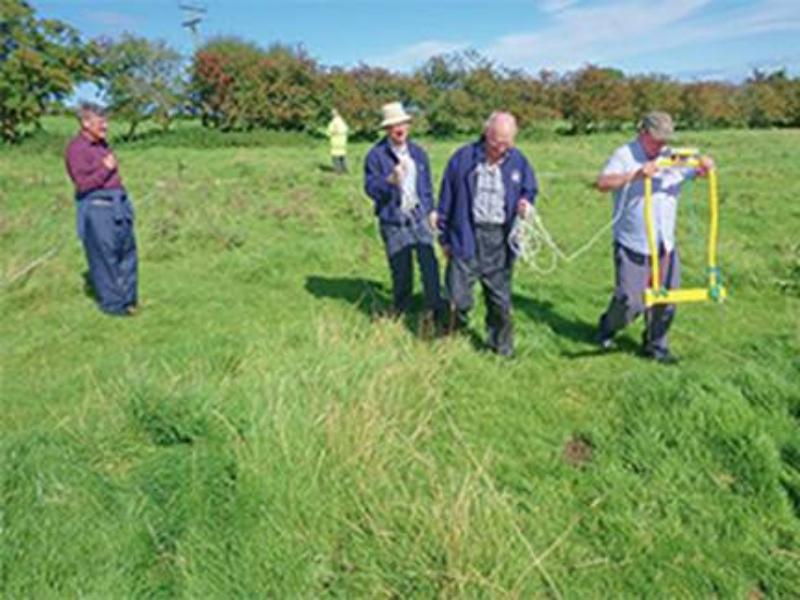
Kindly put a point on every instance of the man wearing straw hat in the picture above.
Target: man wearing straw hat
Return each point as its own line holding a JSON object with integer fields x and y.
{"x": 397, "y": 177}
{"x": 624, "y": 175}
{"x": 487, "y": 185}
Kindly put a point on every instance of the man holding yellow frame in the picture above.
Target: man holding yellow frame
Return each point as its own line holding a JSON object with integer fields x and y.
{"x": 625, "y": 174}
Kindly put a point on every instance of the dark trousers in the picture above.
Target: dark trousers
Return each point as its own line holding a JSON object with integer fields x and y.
{"x": 401, "y": 265}
{"x": 110, "y": 246}
{"x": 492, "y": 266}
{"x": 632, "y": 275}
{"x": 402, "y": 242}
{"x": 340, "y": 164}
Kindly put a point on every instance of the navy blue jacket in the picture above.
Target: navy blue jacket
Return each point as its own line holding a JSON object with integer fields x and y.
{"x": 459, "y": 183}
{"x": 378, "y": 165}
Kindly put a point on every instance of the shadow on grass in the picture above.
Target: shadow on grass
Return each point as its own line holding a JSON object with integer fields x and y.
{"x": 88, "y": 288}
{"x": 326, "y": 168}
{"x": 576, "y": 330}
{"x": 368, "y": 296}
{"x": 373, "y": 299}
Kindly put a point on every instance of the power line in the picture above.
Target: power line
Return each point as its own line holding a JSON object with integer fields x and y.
{"x": 193, "y": 16}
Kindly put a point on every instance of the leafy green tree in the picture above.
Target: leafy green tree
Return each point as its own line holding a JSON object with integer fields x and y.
{"x": 40, "y": 62}
{"x": 597, "y": 98}
{"x": 358, "y": 94}
{"x": 217, "y": 90}
{"x": 527, "y": 97}
{"x": 767, "y": 100}
{"x": 142, "y": 79}
{"x": 795, "y": 102}
{"x": 441, "y": 73}
{"x": 464, "y": 88}
{"x": 553, "y": 89}
{"x": 236, "y": 84}
{"x": 710, "y": 104}
{"x": 290, "y": 88}
{"x": 655, "y": 92}
{"x": 455, "y": 112}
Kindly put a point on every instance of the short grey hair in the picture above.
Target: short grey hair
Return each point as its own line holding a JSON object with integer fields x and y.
{"x": 498, "y": 115}
{"x": 86, "y": 109}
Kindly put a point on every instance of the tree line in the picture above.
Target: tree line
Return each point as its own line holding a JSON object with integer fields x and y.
{"x": 232, "y": 84}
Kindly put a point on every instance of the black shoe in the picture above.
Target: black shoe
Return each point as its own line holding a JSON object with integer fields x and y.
{"x": 605, "y": 341}
{"x": 606, "y": 344}
{"x": 507, "y": 354}
{"x": 663, "y": 357}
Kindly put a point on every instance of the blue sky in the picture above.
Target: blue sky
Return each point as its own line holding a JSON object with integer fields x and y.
{"x": 688, "y": 39}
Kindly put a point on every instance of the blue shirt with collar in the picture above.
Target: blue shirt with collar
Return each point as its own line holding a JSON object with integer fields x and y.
{"x": 459, "y": 185}
{"x": 630, "y": 227}
{"x": 387, "y": 197}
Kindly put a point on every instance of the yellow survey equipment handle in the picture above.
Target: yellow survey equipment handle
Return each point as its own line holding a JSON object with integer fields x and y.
{"x": 656, "y": 293}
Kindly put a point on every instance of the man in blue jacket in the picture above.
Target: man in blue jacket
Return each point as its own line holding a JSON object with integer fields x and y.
{"x": 397, "y": 176}
{"x": 487, "y": 185}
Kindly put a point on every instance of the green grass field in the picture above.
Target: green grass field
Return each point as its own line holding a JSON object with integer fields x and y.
{"x": 256, "y": 432}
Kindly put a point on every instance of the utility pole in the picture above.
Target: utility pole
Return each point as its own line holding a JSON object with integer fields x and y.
{"x": 193, "y": 15}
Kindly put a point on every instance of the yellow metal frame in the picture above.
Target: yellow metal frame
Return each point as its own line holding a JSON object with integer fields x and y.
{"x": 715, "y": 290}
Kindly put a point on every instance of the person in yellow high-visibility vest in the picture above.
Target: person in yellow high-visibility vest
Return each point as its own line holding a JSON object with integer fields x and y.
{"x": 337, "y": 133}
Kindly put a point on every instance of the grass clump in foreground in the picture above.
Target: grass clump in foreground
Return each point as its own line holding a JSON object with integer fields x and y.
{"x": 255, "y": 431}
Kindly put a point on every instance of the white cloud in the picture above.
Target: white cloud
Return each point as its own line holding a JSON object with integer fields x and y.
{"x": 766, "y": 16}
{"x": 622, "y": 29}
{"x": 612, "y": 31}
{"x": 556, "y": 6}
{"x": 416, "y": 54}
{"x": 594, "y": 34}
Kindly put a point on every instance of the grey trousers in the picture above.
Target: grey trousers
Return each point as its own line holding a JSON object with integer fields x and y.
{"x": 492, "y": 266}
{"x": 632, "y": 278}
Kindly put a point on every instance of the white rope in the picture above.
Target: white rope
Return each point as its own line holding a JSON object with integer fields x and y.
{"x": 529, "y": 238}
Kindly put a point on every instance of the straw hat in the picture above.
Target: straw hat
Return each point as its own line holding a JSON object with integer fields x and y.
{"x": 394, "y": 114}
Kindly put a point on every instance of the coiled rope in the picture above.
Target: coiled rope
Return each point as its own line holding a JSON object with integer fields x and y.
{"x": 529, "y": 239}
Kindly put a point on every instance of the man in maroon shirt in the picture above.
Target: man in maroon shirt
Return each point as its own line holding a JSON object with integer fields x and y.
{"x": 104, "y": 215}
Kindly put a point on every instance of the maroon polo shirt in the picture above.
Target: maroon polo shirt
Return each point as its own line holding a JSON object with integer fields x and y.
{"x": 84, "y": 160}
